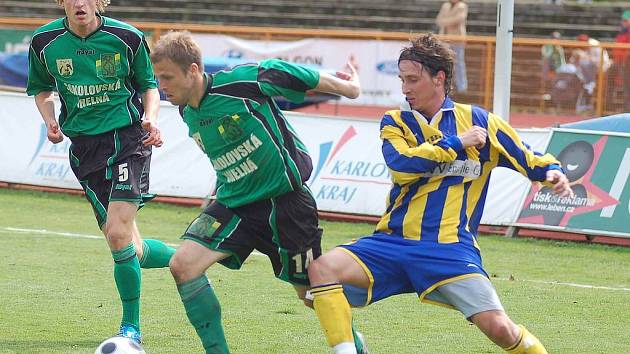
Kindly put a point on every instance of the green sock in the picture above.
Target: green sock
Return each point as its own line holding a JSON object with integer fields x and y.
{"x": 204, "y": 312}
{"x": 128, "y": 278}
{"x": 155, "y": 254}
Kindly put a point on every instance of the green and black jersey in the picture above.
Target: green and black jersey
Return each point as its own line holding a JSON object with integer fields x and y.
{"x": 255, "y": 152}
{"x": 99, "y": 78}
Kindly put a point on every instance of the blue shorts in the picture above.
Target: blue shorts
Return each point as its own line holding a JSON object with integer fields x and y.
{"x": 396, "y": 265}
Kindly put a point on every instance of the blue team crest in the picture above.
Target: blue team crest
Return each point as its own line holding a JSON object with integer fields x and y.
{"x": 65, "y": 68}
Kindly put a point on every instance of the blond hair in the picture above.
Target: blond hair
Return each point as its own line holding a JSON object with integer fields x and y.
{"x": 178, "y": 47}
{"x": 100, "y": 4}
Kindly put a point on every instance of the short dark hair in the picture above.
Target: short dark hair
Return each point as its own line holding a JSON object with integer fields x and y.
{"x": 434, "y": 55}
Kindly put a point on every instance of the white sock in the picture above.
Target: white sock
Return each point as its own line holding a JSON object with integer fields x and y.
{"x": 345, "y": 348}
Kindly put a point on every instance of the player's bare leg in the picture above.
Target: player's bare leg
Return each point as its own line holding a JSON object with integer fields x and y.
{"x": 500, "y": 329}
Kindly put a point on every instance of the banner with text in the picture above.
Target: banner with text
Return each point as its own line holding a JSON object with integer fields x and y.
{"x": 597, "y": 165}
{"x": 349, "y": 174}
{"x": 376, "y": 61}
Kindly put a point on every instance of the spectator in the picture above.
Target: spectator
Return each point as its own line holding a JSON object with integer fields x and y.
{"x": 594, "y": 52}
{"x": 620, "y": 59}
{"x": 586, "y": 71}
{"x": 452, "y": 20}
{"x": 552, "y": 59}
{"x": 589, "y": 61}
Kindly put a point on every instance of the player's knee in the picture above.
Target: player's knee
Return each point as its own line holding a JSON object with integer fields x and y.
{"x": 503, "y": 332}
{"x": 117, "y": 236}
{"x": 177, "y": 265}
{"x": 321, "y": 270}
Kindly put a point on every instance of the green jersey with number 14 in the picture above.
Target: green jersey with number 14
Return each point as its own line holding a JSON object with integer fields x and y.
{"x": 254, "y": 150}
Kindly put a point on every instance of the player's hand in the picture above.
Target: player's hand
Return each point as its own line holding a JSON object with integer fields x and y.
{"x": 54, "y": 134}
{"x": 353, "y": 80}
{"x": 475, "y": 136}
{"x": 155, "y": 138}
{"x": 560, "y": 183}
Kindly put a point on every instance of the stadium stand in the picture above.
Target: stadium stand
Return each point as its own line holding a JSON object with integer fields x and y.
{"x": 533, "y": 18}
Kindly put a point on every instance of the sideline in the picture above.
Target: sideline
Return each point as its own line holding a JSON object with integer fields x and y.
{"x": 256, "y": 253}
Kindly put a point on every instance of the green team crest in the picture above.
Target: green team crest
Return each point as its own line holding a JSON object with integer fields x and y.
{"x": 204, "y": 226}
{"x": 65, "y": 68}
{"x": 229, "y": 128}
{"x": 108, "y": 65}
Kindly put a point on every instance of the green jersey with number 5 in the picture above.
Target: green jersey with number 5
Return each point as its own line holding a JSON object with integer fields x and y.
{"x": 254, "y": 150}
{"x": 99, "y": 78}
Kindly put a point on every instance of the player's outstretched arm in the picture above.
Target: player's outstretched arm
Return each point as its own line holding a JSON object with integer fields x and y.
{"x": 151, "y": 103}
{"x": 46, "y": 106}
{"x": 344, "y": 84}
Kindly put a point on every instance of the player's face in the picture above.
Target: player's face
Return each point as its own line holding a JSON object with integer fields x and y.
{"x": 81, "y": 13}
{"x": 176, "y": 83}
{"x": 422, "y": 91}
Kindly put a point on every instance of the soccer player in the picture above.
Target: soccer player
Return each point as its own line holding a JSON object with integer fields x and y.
{"x": 261, "y": 201}
{"x": 440, "y": 154}
{"x": 101, "y": 68}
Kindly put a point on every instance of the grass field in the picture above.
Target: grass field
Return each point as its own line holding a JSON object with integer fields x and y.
{"x": 57, "y": 293}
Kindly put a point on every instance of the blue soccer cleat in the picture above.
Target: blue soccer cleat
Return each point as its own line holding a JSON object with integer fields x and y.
{"x": 131, "y": 332}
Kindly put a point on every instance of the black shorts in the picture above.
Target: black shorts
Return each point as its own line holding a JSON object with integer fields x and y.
{"x": 112, "y": 166}
{"x": 284, "y": 228}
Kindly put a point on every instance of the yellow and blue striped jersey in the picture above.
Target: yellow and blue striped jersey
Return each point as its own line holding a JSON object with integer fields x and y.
{"x": 439, "y": 188}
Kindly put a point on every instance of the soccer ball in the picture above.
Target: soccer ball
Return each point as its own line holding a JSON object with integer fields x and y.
{"x": 119, "y": 345}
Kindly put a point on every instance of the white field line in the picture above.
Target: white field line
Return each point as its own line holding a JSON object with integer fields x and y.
{"x": 56, "y": 233}
{"x": 70, "y": 234}
{"x": 574, "y": 285}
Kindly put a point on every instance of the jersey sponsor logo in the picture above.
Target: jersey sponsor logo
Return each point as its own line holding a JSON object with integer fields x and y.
{"x": 92, "y": 100}
{"x": 123, "y": 187}
{"x": 108, "y": 65}
{"x": 90, "y": 90}
{"x": 466, "y": 168}
{"x": 433, "y": 138}
{"x": 65, "y": 68}
{"x": 83, "y": 51}
{"x": 237, "y": 154}
{"x": 245, "y": 168}
{"x": 95, "y": 93}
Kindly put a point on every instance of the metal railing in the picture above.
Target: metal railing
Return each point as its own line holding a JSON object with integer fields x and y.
{"x": 531, "y": 91}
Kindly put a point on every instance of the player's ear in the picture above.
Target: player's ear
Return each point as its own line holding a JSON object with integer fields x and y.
{"x": 193, "y": 68}
{"x": 439, "y": 78}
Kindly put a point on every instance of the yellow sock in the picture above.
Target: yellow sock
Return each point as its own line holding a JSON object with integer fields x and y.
{"x": 333, "y": 312}
{"x": 527, "y": 344}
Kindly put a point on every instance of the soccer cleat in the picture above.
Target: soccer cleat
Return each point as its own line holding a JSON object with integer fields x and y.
{"x": 364, "y": 347}
{"x": 131, "y": 332}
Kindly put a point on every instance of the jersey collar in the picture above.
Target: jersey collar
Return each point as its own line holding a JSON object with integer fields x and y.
{"x": 447, "y": 106}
